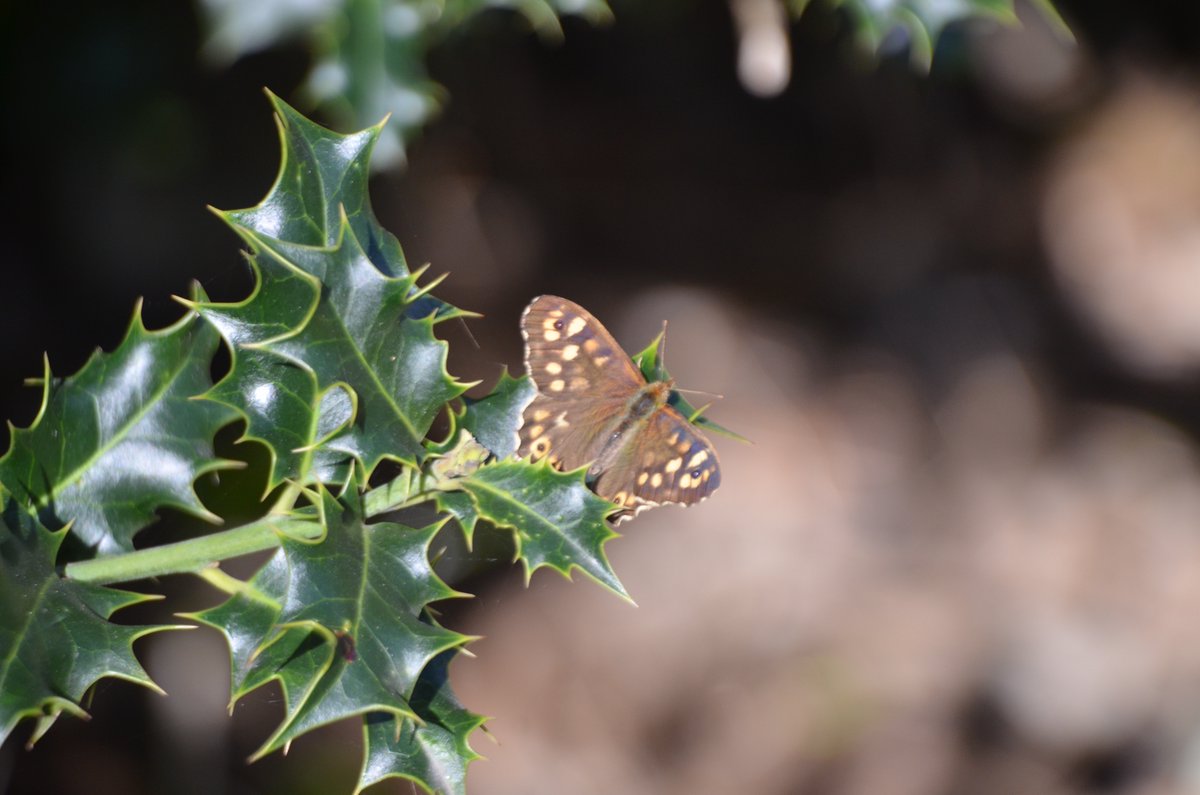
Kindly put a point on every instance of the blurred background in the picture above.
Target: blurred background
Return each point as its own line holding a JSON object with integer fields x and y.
{"x": 957, "y": 312}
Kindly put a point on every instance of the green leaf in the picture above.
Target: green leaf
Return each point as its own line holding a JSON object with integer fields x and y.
{"x": 334, "y": 352}
{"x": 338, "y": 622}
{"x": 281, "y": 401}
{"x": 362, "y": 336}
{"x": 55, "y": 636}
{"x": 433, "y": 753}
{"x": 493, "y": 420}
{"x": 556, "y": 520}
{"x": 323, "y": 176}
{"x": 122, "y": 437}
{"x": 650, "y": 361}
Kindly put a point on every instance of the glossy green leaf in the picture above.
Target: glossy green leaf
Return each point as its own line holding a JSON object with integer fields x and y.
{"x": 56, "y": 639}
{"x": 122, "y": 437}
{"x": 337, "y": 622}
{"x": 322, "y": 176}
{"x": 433, "y": 753}
{"x": 493, "y": 420}
{"x": 280, "y": 399}
{"x": 557, "y": 521}
{"x": 362, "y": 336}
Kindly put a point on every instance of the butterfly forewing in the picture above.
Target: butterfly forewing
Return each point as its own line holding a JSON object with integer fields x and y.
{"x": 584, "y": 381}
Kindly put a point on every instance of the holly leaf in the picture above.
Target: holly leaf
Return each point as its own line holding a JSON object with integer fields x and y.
{"x": 56, "y": 639}
{"x": 556, "y": 520}
{"x": 122, "y": 437}
{"x": 323, "y": 176}
{"x": 284, "y": 407}
{"x": 433, "y": 752}
{"x": 363, "y": 336}
{"x": 493, "y": 420}
{"x": 650, "y": 362}
{"x": 337, "y": 621}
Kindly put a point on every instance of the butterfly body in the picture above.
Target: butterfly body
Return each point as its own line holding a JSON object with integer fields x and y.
{"x": 594, "y": 407}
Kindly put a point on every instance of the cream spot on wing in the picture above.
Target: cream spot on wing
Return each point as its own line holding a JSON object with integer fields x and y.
{"x": 579, "y": 383}
{"x": 698, "y": 458}
{"x": 576, "y": 325}
{"x": 704, "y": 477}
{"x": 570, "y": 352}
{"x": 553, "y": 368}
{"x": 551, "y": 335}
{"x": 683, "y": 446}
{"x": 685, "y": 482}
{"x": 590, "y": 346}
{"x": 674, "y": 438}
{"x": 561, "y": 420}
{"x": 600, "y": 361}
{"x": 553, "y": 460}
{"x": 656, "y": 481}
{"x": 555, "y": 313}
{"x": 642, "y": 478}
{"x": 536, "y": 431}
{"x": 674, "y": 464}
{"x": 548, "y": 323}
{"x": 540, "y": 415}
{"x": 557, "y": 385}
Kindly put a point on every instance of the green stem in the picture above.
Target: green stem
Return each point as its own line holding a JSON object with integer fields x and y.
{"x": 188, "y": 557}
{"x": 192, "y": 555}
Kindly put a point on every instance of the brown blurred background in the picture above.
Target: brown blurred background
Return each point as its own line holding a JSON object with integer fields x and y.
{"x": 959, "y": 314}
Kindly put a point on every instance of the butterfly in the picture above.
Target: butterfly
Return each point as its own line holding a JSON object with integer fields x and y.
{"x": 594, "y": 407}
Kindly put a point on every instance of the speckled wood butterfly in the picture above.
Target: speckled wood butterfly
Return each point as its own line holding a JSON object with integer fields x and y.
{"x": 593, "y": 406}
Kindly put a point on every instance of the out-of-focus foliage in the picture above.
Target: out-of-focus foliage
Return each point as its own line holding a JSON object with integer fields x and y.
{"x": 921, "y": 22}
{"x": 369, "y": 55}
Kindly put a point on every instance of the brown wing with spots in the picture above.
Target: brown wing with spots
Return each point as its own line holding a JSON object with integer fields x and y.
{"x": 584, "y": 381}
{"x": 668, "y": 461}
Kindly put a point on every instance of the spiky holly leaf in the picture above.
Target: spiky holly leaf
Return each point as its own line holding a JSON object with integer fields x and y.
{"x": 323, "y": 176}
{"x": 363, "y": 335}
{"x": 280, "y": 399}
{"x": 493, "y": 420}
{"x": 122, "y": 437}
{"x": 337, "y": 621}
{"x": 650, "y": 362}
{"x": 433, "y": 753}
{"x": 923, "y": 21}
{"x": 556, "y": 520}
{"x": 55, "y": 636}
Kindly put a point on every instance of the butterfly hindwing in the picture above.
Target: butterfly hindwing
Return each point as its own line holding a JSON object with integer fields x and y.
{"x": 668, "y": 461}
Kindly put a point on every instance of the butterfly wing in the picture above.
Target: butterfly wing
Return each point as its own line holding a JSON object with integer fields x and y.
{"x": 667, "y": 461}
{"x": 584, "y": 381}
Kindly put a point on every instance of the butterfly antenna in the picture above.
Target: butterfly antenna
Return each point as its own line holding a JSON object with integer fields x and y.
{"x": 712, "y": 395}
{"x": 467, "y": 329}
